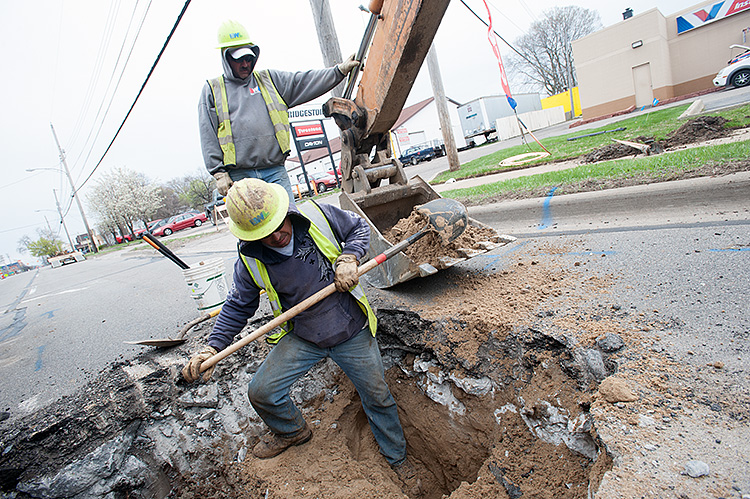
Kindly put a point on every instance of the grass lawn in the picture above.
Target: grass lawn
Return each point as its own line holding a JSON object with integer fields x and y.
{"x": 657, "y": 124}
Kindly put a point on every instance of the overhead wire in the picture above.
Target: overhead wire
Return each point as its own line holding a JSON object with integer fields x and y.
{"x": 97, "y": 69}
{"x": 143, "y": 86}
{"x": 496, "y": 33}
{"x": 117, "y": 85}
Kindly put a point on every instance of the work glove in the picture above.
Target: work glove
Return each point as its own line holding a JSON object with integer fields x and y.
{"x": 349, "y": 64}
{"x": 347, "y": 275}
{"x": 223, "y": 182}
{"x": 192, "y": 371}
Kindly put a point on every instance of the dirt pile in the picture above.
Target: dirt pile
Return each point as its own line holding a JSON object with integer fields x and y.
{"x": 610, "y": 151}
{"x": 695, "y": 130}
{"x": 432, "y": 249}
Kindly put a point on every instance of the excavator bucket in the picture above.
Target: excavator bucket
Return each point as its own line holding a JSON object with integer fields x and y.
{"x": 383, "y": 208}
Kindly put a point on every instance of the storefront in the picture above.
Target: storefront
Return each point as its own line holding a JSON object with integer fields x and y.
{"x": 650, "y": 57}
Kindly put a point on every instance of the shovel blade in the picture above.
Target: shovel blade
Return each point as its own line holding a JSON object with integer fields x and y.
{"x": 447, "y": 217}
{"x": 162, "y": 343}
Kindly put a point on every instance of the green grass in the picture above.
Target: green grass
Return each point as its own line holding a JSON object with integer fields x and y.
{"x": 650, "y": 168}
{"x": 656, "y": 124}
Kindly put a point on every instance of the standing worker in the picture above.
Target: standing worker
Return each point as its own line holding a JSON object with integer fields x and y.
{"x": 243, "y": 118}
{"x": 292, "y": 252}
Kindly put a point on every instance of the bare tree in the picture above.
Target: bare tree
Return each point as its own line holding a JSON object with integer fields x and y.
{"x": 122, "y": 197}
{"x": 545, "y": 56}
{"x": 194, "y": 191}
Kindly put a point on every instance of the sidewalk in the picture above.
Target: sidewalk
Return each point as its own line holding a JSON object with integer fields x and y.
{"x": 498, "y": 177}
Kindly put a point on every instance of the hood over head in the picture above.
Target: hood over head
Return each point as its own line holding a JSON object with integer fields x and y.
{"x": 237, "y": 53}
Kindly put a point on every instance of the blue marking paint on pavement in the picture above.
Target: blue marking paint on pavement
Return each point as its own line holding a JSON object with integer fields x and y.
{"x": 547, "y": 213}
{"x": 39, "y": 353}
{"x": 50, "y": 314}
{"x": 494, "y": 258}
{"x": 730, "y": 249}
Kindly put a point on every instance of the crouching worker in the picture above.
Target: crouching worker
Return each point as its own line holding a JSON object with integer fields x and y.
{"x": 292, "y": 252}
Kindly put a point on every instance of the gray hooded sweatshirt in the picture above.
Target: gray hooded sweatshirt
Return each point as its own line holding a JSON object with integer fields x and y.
{"x": 254, "y": 139}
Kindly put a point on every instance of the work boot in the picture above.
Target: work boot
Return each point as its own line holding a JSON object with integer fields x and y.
{"x": 407, "y": 473}
{"x": 271, "y": 445}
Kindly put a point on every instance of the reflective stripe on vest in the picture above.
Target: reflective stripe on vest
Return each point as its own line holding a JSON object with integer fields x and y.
{"x": 277, "y": 111}
{"x": 224, "y": 132}
{"x": 325, "y": 240}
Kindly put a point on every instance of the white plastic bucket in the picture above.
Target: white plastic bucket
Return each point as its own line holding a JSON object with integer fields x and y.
{"x": 207, "y": 284}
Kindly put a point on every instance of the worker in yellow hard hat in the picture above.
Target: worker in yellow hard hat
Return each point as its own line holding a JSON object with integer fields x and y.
{"x": 243, "y": 118}
{"x": 292, "y": 252}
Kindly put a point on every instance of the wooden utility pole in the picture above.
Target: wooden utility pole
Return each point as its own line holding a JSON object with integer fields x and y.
{"x": 329, "y": 42}
{"x": 441, "y": 102}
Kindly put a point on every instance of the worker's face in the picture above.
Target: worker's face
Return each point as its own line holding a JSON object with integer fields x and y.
{"x": 281, "y": 236}
{"x": 242, "y": 68}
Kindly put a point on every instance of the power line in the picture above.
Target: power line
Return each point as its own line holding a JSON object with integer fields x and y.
{"x": 496, "y": 33}
{"x": 158, "y": 57}
{"x": 117, "y": 85}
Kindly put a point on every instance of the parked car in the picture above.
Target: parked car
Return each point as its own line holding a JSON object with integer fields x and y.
{"x": 416, "y": 154}
{"x": 119, "y": 239}
{"x": 299, "y": 189}
{"x": 139, "y": 232}
{"x": 181, "y": 221}
{"x": 323, "y": 181}
{"x": 737, "y": 73}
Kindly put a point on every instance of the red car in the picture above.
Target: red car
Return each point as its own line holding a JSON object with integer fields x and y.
{"x": 139, "y": 232}
{"x": 323, "y": 181}
{"x": 181, "y": 221}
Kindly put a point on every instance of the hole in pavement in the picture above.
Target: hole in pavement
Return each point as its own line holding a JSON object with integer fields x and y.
{"x": 510, "y": 421}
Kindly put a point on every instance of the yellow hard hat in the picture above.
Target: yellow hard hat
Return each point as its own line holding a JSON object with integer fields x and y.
{"x": 233, "y": 34}
{"x": 256, "y": 208}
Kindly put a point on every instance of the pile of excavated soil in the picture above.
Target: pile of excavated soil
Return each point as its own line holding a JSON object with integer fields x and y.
{"x": 431, "y": 248}
{"x": 698, "y": 129}
{"x": 610, "y": 151}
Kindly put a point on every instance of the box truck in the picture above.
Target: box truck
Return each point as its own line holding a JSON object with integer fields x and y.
{"x": 478, "y": 116}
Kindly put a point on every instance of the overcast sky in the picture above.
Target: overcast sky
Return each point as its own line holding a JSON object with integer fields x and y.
{"x": 63, "y": 60}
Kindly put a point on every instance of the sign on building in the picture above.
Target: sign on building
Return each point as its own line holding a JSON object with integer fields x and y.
{"x": 710, "y": 13}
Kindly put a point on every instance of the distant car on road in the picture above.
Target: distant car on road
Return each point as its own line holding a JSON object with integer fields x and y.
{"x": 416, "y": 154}
{"x": 737, "y": 73}
{"x": 181, "y": 221}
{"x": 60, "y": 260}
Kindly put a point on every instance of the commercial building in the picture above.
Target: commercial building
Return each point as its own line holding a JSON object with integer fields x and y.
{"x": 649, "y": 56}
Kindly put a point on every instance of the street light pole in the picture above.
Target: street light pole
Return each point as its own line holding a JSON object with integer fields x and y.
{"x": 62, "y": 221}
{"x": 75, "y": 195}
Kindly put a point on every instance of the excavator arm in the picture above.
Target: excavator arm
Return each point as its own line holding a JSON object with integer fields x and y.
{"x": 374, "y": 184}
{"x": 403, "y": 34}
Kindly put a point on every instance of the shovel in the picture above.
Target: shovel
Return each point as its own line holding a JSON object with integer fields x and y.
{"x": 446, "y": 217}
{"x": 170, "y": 342}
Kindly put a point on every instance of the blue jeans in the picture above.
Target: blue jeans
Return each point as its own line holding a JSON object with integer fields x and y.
{"x": 359, "y": 357}
{"x": 272, "y": 175}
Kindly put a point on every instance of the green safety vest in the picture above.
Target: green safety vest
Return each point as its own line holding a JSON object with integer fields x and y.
{"x": 277, "y": 110}
{"x": 325, "y": 240}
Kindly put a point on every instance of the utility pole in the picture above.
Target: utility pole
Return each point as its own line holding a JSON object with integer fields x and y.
{"x": 75, "y": 194}
{"x": 329, "y": 42}
{"x": 62, "y": 221}
{"x": 441, "y": 103}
